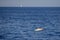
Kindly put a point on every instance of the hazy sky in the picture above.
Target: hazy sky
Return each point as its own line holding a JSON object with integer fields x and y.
{"x": 30, "y": 3}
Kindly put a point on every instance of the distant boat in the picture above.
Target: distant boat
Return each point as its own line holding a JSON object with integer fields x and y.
{"x": 38, "y": 29}
{"x": 20, "y": 5}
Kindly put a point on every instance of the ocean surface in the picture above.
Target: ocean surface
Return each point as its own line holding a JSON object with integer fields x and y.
{"x": 19, "y": 23}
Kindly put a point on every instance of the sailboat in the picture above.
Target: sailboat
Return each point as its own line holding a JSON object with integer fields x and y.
{"x": 20, "y": 5}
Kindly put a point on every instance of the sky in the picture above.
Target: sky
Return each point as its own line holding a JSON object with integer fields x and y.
{"x": 30, "y": 3}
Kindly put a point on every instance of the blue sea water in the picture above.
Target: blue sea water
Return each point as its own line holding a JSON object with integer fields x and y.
{"x": 19, "y": 23}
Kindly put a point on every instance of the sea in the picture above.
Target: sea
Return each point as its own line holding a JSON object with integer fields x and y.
{"x": 20, "y": 23}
